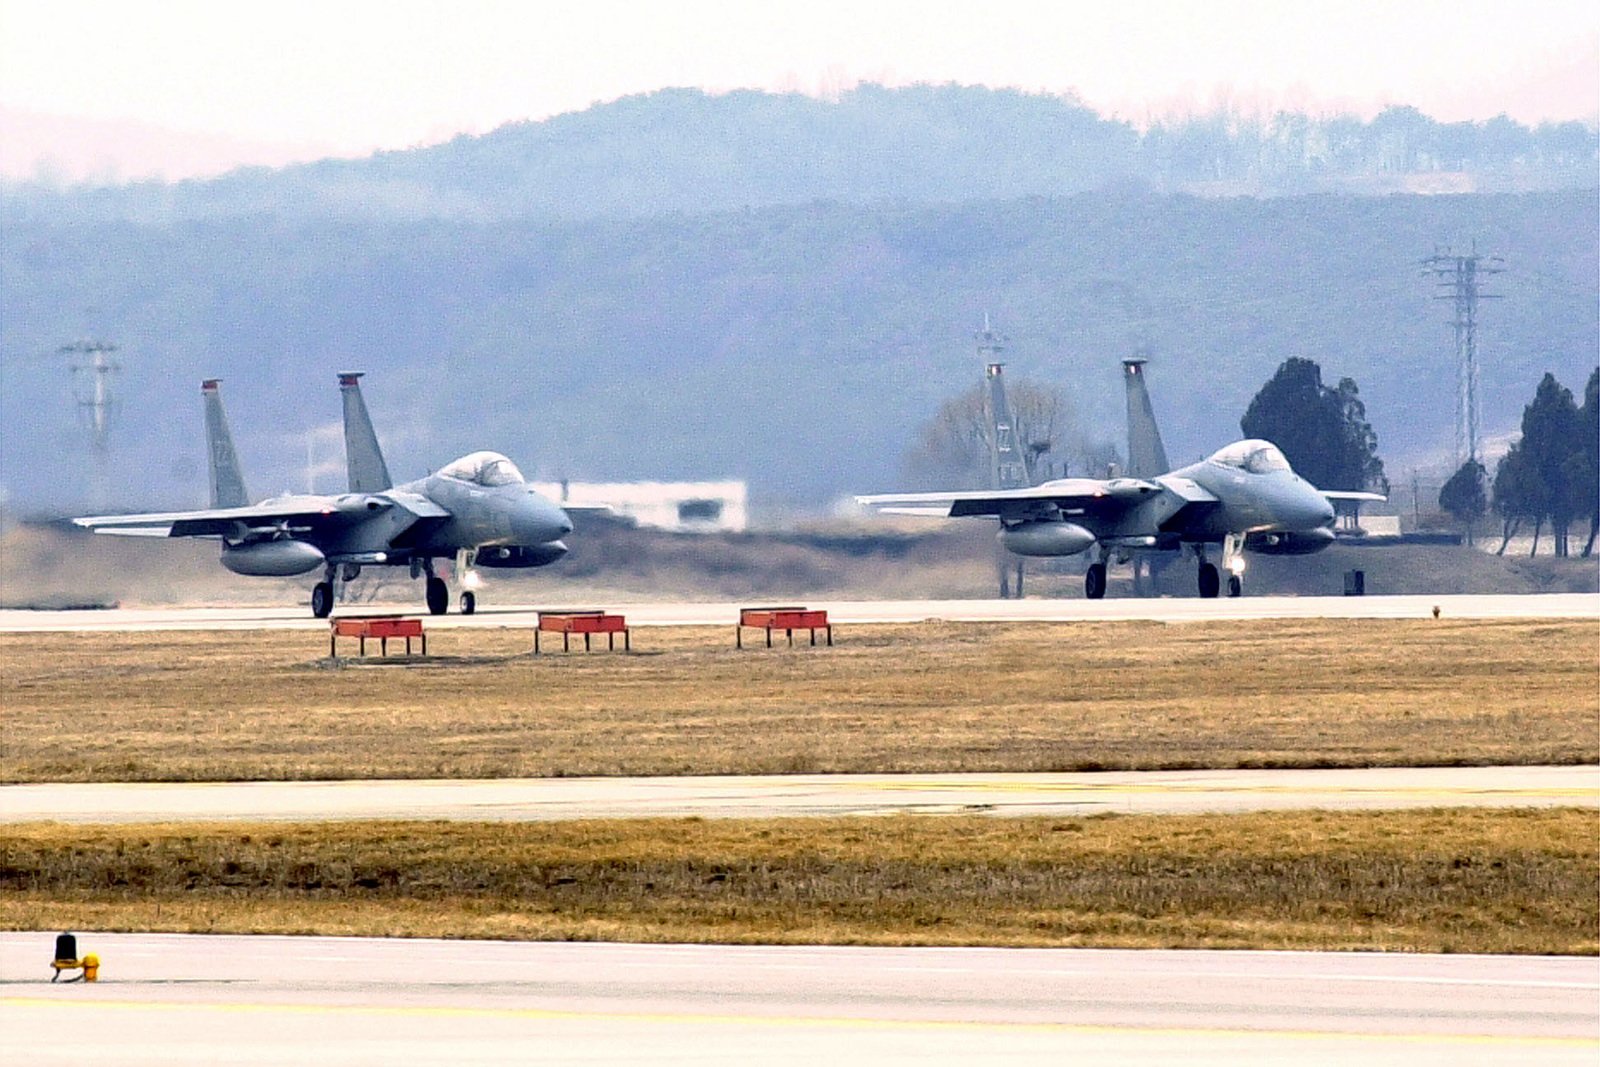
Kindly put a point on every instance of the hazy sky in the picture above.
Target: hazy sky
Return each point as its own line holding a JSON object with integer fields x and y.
{"x": 128, "y": 88}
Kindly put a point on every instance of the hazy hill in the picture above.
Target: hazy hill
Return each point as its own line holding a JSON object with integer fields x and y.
{"x": 798, "y": 347}
{"x": 683, "y": 150}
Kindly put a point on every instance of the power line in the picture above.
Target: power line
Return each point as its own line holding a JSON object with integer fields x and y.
{"x": 1460, "y": 276}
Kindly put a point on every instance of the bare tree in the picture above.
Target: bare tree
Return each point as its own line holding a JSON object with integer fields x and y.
{"x": 954, "y": 447}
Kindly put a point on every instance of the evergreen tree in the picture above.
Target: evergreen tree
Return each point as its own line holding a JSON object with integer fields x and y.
{"x": 1463, "y": 495}
{"x": 1518, "y": 495}
{"x": 1550, "y": 439}
{"x": 1589, "y": 443}
{"x": 1322, "y": 431}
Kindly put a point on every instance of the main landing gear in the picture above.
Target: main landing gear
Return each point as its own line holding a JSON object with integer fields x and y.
{"x": 436, "y": 592}
{"x": 321, "y": 600}
{"x": 1232, "y": 561}
{"x": 1094, "y": 581}
{"x": 438, "y": 595}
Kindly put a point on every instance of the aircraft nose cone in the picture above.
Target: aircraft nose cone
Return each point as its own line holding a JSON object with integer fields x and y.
{"x": 1316, "y": 512}
{"x": 539, "y": 521}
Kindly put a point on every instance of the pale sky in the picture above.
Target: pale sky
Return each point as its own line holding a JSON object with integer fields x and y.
{"x": 139, "y": 87}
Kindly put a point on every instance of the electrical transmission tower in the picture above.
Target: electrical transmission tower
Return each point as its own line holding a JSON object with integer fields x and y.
{"x": 1460, "y": 278}
{"x": 92, "y": 372}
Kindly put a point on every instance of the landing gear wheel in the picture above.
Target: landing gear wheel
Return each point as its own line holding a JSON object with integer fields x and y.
{"x": 1235, "y": 585}
{"x": 321, "y": 600}
{"x": 469, "y": 602}
{"x": 1210, "y": 580}
{"x": 438, "y": 596}
{"x": 1094, "y": 581}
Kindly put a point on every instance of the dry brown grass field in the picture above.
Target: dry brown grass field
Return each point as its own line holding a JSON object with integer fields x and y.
{"x": 1436, "y": 881}
{"x": 929, "y": 697}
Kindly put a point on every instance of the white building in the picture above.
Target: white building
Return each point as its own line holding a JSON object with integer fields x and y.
{"x": 683, "y": 507}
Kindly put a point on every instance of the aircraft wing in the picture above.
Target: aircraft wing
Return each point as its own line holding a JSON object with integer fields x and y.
{"x": 212, "y": 522}
{"x": 1067, "y": 497}
{"x": 300, "y": 514}
{"x": 1345, "y": 494}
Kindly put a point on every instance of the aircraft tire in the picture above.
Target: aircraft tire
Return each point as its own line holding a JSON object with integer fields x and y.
{"x": 438, "y": 596}
{"x": 1094, "y": 581}
{"x": 1235, "y": 585}
{"x": 1210, "y": 580}
{"x": 321, "y": 600}
{"x": 469, "y": 602}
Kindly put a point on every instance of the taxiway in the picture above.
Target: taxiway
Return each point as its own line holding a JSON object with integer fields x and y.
{"x": 177, "y": 999}
{"x": 1163, "y": 609}
{"x": 771, "y": 796}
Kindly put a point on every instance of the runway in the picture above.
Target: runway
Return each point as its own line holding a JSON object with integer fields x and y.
{"x": 176, "y": 999}
{"x": 1164, "y": 609}
{"x": 532, "y": 799}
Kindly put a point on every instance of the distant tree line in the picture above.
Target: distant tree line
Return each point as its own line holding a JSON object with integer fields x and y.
{"x": 1551, "y": 474}
{"x": 1289, "y": 148}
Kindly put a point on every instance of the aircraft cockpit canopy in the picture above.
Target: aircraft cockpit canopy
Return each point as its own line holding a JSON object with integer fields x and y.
{"x": 488, "y": 469}
{"x": 1256, "y": 457}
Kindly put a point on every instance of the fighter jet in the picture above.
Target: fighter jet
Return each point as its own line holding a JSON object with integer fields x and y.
{"x": 478, "y": 510}
{"x": 1242, "y": 496}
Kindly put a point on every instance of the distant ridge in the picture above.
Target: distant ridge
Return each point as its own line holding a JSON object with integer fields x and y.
{"x": 686, "y": 151}
{"x": 799, "y": 347}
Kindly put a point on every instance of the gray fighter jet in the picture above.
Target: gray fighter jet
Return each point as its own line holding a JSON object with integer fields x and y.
{"x": 1241, "y": 497}
{"x": 477, "y": 510}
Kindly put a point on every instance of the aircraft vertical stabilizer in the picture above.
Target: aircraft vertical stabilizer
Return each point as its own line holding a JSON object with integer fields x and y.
{"x": 368, "y": 472}
{"x": 1146, "y": 456}
{"x": 227, "y": 483}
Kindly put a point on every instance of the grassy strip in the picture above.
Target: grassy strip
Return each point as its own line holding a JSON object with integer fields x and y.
{"x": 931, "y": 697}
{"x": 1519, "y": 881}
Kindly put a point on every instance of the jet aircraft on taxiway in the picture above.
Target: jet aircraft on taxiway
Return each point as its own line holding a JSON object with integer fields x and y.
{"x": 477, "y": 510}
{"x": 1243, "y": 496}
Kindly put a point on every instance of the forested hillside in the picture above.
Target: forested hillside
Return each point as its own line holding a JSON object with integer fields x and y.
{"x": 683, "y": 150}
{"x": 798, "y": 346}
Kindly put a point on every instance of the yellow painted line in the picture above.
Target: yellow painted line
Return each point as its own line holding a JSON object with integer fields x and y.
{"x": 806, "y": 1022}
{"x": 1567, "y": 792}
